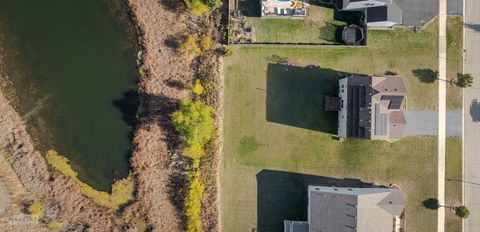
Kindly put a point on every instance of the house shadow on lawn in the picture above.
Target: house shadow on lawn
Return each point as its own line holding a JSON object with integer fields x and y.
{"x": 295, "y": 96}
{"x": 283, "y": 196}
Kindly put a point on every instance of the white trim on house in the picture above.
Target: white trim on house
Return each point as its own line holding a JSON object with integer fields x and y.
{"x": 342, "y": 113}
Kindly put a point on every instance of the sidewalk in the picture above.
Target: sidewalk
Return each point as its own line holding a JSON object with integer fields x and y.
{"x": 442, "y": 98}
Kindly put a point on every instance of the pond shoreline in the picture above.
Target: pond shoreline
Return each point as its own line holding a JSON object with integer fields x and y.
{"x": 156, "y": 160}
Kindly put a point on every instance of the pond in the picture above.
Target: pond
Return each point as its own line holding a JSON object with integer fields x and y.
{"x": 72, "y": 65}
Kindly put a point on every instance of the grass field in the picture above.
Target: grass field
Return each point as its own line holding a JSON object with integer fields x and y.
{"x": 277, "y": 138}
{"x": 454, "y": 149}
{"x": 455, "y": 59}
{"x": 322, "y": 25}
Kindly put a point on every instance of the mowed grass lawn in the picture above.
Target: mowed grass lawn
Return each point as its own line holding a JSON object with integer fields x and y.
{"x": 322, "y": 25}
{"x": 278, "y": 139}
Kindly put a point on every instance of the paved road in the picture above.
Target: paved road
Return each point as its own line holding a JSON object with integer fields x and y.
{"x": 419, "y": 12}
{"x": 425, "y": 122}
{"x": 472, "y": 116}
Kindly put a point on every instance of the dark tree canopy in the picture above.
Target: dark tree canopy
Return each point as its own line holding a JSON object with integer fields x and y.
{"x": 464, "y": 80}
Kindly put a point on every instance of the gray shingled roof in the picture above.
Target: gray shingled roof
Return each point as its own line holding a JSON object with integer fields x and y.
{"x": 353, "y": 209}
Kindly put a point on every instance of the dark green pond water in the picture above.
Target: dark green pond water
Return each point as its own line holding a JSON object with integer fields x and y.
{"x": 72, "y": 64}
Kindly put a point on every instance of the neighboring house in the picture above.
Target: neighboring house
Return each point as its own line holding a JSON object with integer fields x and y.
{"x": 378, "y": 13}
{"x": 371, "y": 107}
{"x": 284, "y": 8}
{"x": 334, "y": 209}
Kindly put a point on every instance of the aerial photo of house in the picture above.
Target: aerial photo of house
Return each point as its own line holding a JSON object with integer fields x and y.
{"x": 351, "y": 209}
{"x": 240, "y": 116}
{"x": 284, "y": 8}
{"x": 371, "y": 107}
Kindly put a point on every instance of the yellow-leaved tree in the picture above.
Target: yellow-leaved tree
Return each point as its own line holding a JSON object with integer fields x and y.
{"x": 195, "y": 121}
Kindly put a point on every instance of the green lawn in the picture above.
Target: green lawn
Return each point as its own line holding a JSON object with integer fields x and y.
{"x": 454, "y": 149}
{"x": 277, "y": 138}
{"x": 453, "y": 184}
{"x": 454, "y": 59}
{"x": 322, "y": 25}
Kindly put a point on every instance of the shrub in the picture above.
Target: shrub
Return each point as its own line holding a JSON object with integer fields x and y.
{"x": 226, "y": 51}
{"x": 195, "y": 121}
{"x": 197, "y": 7}
{"x": 462, "y": 212}
{"x": 60, "y": 164}
{"x": 122, "y": 190}
{"x": 189, "y": 45}
{"x": 54, "y": 226}
{"x": 7, "y": 155}
{"x": 36, "y": 210}
{"x": 206, "y": 43}
{"x": 192, "y": 204}
{"x": 141, "y": 225}
{"x": 198, "y": 88}
{"x": 213, "y": 4}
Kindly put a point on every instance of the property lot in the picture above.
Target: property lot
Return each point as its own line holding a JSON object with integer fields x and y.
{"x": 323, "y": 25}
{"x": 278, "y": 139}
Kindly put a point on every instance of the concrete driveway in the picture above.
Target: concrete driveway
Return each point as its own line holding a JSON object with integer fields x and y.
{"x": 419, "y": 12}
{"x": 425, "y": 122}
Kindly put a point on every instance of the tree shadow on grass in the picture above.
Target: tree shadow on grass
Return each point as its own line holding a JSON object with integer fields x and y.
{"x": 425, "y": 75}
{"x": 283, "y": 196}
{"x": 295, "y": 96}
{"x": 431, "y": 203}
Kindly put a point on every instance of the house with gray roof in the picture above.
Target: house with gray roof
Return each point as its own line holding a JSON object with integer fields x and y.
{"x": 378, "y": 13}
{"x": 335, "y": 209}
{"x": 371, "y": 107}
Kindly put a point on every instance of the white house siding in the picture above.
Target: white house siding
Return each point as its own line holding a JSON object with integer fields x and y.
{"x": 381, "y": 24}
{"x": 347, "y": 5}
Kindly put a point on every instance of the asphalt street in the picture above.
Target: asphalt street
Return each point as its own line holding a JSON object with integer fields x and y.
{"x": 472, "y": 116}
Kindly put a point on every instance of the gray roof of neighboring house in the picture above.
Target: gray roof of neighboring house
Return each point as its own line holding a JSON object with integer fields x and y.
{"x": 295, "y": 226}
{"x": 353, "y": 209}
{"x": 390, "y": 13}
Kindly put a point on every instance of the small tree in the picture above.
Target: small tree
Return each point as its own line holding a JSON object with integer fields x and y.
{"x": 463, "y": 80}
{"x": 192, "y": 204}
{"x": 205, "y": 43}
{"x": 189, "y": 45}
{"x": 36, "y": 210}
{"x": 462, "y": 212}
{"x": 198, "y": 88}
{"x": 225, "y": 51}
{"x": 213, "y": 4}
{"x": 197, "y": 7}
{"x": 195, "y": 121}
